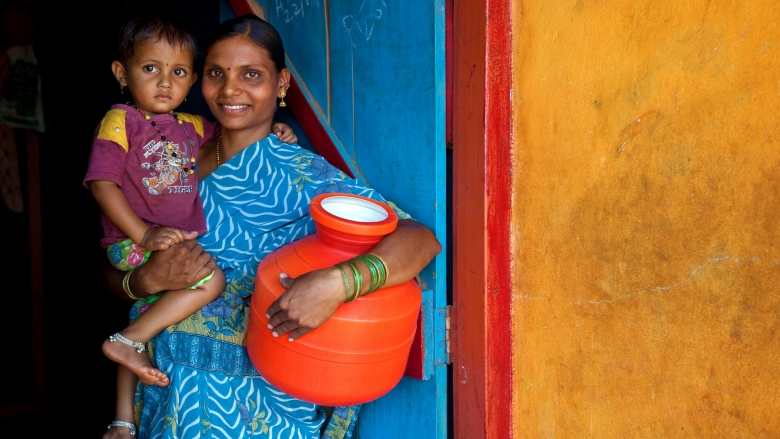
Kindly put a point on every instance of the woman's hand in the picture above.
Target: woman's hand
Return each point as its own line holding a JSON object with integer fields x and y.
{"x": 309, "y": 301}
{"x": 178, "y": 267}
{"x": 312, "y": 298}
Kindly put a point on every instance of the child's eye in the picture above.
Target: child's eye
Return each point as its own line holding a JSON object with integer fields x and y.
{"x": 180, "y": 72}
{"x": 150, "y": 68}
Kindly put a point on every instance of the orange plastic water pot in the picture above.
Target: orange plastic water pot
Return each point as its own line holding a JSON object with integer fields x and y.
{"x": 361, "y": 352}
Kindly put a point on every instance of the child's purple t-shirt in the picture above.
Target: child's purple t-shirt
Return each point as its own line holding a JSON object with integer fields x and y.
{"x": 129, "y": 151}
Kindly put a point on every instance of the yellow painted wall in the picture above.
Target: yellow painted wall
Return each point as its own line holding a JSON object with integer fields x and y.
{"x": 647, "y": 218}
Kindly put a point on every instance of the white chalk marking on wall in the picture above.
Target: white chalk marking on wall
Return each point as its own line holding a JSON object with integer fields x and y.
{"x": 365, "y": 19}
{"x": 692, "y": 274}
{"x": 289, "y": 10}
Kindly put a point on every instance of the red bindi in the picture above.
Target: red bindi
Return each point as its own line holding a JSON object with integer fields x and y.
{"x": 228, "y": 68}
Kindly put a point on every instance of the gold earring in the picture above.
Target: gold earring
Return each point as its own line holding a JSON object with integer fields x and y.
{"x": 284, "y": 93}
{"x": 121, "y": 89}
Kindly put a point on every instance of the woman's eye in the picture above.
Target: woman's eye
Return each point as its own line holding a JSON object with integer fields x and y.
{"x": 252, "y": 75}
{"x": 150, "y": 68}
{"x": 180, "y": 72}
{"x": 215, "y": 73}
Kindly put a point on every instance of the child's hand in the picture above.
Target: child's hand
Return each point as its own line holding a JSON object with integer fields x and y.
{"x": 160, "y": 238}
{"x": 284, "y": 133}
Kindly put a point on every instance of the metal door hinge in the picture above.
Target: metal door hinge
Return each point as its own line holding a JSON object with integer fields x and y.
{"x": 443, "y": 336}
{"x": 448, "y": 332}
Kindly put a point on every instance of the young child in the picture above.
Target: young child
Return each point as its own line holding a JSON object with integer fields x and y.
{"x": 143, "y": 173}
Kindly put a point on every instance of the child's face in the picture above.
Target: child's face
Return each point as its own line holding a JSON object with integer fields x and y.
{"x": 158, "y": 76}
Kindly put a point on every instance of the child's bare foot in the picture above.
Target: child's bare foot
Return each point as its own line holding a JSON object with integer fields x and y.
{"x": 138, "y": 362}
{"x": 118, "y": 432}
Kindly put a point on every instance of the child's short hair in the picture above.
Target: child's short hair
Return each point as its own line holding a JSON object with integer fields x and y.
{"x": 148, "y": 28}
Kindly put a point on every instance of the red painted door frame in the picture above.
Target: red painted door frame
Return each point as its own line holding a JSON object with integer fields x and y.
{"x": 482, "y": 215}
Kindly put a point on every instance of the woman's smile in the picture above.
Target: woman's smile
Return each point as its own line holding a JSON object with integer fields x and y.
{"x": 233, "y": 108}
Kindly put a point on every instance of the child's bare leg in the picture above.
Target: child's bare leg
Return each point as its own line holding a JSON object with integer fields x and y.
{"x": 171, "y": 308}
{"x": 125, "y": 392}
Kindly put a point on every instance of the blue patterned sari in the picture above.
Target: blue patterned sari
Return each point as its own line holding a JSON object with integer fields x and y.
{"x": 255, "y": 203}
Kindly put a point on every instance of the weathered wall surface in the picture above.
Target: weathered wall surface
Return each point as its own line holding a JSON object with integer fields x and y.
{"x": 647, "y": 212}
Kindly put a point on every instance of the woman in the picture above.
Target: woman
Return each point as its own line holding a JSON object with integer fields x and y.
{"x": 255, "y": 192}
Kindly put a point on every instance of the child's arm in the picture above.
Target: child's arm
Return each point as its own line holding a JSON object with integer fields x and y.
{"x": 115, "y": 205}
{"x": 284, "y": 132}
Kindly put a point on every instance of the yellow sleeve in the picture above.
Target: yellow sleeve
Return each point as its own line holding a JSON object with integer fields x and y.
{"x": 195, "y": 120}
{"x": 112, "y": 128}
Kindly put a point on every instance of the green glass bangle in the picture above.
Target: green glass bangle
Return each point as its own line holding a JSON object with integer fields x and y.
{"x": 357, "y": 277}
{"x": 371, "y": 270}
{"x": 375, "y": 278}
{"x": 346, "y": 282}
{"x": 385, "y": 269}
{"x": 357, "y": 283}
{"x": 373, "y": 261}
{"x": 381, "y": 268}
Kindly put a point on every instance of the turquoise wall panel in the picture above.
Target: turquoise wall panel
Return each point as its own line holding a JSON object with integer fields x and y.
{"x": 374, "y": 72}
{"x": 412, "y": 410}
{"x": 303, "y": 26}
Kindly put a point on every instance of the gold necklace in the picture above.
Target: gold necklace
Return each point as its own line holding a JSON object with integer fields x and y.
{"x": 218, "y": 139}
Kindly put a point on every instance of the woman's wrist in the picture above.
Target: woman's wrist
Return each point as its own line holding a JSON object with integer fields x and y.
{"x": 140, "y": 283}
{"x": 362, "y": 275}
{"x": 340, "y": 293}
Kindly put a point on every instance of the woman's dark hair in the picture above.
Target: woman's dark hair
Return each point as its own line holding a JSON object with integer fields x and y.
{"x": 261, "y": 32}
{"x": 142, "y": 29}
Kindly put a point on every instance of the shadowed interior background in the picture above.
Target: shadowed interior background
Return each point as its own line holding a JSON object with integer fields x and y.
{"x": 74, "y": 55}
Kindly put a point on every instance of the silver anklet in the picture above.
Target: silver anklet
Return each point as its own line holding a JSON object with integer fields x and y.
{"x": 118, "y": 423}
{"x": 139, "y": 347}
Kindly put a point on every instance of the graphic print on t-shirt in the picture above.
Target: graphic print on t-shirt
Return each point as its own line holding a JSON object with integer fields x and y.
{"x": 169, "y": 166}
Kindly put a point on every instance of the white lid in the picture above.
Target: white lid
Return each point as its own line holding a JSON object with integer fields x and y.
{"x": 354, "y": 209}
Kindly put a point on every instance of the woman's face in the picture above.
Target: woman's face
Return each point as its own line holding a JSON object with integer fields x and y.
{"x": 241, "y": 84}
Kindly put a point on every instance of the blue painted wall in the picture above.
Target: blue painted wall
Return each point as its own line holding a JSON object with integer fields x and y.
{"x": 374, "y": 72}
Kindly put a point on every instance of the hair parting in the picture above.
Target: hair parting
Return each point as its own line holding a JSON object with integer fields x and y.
{"x": 259, "y": 31}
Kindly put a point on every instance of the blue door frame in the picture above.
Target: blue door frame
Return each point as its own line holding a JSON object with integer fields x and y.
{"x": 373, "y": 72}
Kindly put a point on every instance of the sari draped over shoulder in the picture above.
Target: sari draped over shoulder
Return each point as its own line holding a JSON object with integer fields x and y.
{"x": 255, "y": 203}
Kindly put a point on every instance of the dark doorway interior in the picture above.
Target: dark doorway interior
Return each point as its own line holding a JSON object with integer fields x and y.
{"x": 74, "y": 52}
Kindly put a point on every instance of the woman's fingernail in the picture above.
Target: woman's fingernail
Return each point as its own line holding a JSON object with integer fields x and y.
{"x": 290, "y": 339}
{"x": 283, "y": 275}
{"x": 269, "y": 325}
{"x": 268, "y": 317}
{"x": 274, "y": 334}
